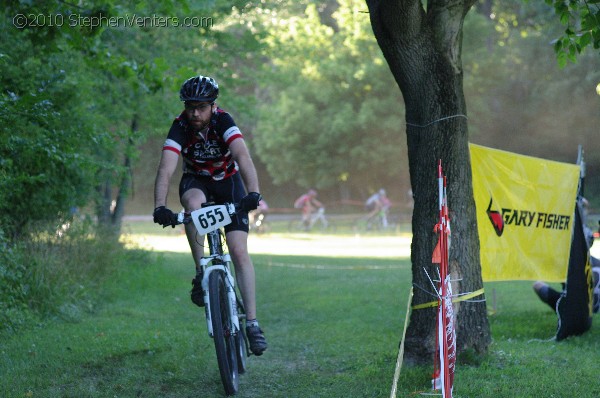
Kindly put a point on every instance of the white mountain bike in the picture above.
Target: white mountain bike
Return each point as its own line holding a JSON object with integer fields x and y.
{"x": 222, "y": 304}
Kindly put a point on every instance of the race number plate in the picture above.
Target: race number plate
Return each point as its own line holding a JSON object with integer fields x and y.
{"x": 210, "y": 218}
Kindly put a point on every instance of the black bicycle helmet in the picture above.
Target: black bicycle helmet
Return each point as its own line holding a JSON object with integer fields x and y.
{"x": 199, "y": 88}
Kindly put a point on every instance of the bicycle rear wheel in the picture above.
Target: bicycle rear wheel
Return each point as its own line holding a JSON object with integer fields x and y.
{"x": 225, "y": 341}
{"x": 240, "y": 338}
{"x": 241, "y": 350}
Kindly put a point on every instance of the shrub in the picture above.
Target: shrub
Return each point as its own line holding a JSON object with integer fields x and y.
{"x": 14, "y": 311}
{"x": 58, "y": 271}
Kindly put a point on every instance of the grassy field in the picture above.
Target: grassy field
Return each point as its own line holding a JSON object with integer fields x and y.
{"x": 333, "y": 323}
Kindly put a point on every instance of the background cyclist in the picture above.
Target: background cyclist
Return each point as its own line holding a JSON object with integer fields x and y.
{"x": 308, "y": 203}
{"x": 377, "y": 205}
{"x": 258, "y": 216}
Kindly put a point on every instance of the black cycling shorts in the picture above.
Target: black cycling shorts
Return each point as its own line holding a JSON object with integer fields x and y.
{"x": 228, "y": 190}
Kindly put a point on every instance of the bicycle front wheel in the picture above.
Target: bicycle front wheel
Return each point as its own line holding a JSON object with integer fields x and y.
{"x": 242, "y": 351}
{"x": 225, "y": 342}
{"x": 241, "y": 338}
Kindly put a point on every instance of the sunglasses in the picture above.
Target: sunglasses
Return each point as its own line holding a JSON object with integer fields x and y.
{"x": 199, "y": 107}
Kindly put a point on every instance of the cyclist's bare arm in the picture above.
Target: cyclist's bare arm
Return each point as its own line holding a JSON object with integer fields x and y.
{"x": 166, "y": 168}
{"x": 241, "y": 155}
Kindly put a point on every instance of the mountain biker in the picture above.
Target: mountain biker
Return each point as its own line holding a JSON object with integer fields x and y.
{"x": 308, "y": 203}
{"x": 217, "y": 164}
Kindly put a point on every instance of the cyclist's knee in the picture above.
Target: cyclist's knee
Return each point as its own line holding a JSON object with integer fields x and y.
{"x": 236, "y": 250}
{"x": 192, "y": 199}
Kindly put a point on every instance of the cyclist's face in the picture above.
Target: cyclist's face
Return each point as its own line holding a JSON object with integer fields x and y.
{"x": 198, "y": 113}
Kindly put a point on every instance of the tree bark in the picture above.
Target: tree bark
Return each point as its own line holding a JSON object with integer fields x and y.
{"x": 423, "y": 49}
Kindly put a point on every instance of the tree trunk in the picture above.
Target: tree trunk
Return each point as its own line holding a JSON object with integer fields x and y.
{"x": 110, "y": 216}
{"x": 423, "y": 48}
{"x": 126, "y": 180}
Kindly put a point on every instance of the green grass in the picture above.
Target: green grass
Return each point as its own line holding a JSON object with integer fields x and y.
{"x": 333, "y": 327}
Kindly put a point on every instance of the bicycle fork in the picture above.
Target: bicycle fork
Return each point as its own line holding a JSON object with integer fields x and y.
{"x": 229, "y": 286}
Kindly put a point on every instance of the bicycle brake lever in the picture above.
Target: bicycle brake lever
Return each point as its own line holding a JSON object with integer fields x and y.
{"x": 232, "y": 208}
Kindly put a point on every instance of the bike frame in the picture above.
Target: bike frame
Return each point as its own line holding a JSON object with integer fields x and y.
{"x": 218, "y": 262}
{"x": 319, "y": 215}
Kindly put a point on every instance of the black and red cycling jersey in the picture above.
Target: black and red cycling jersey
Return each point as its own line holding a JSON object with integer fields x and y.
{"x": 205, "y": 152}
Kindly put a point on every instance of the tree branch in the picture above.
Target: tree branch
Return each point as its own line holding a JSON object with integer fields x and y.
{"x": 446, "y": 20}
{"x": 395, "y": 19}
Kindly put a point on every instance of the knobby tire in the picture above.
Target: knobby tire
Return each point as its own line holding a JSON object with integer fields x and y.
{"x": 225, "y": 341}
{"x": 241, "y": 339}
{"x": 241, "y": 351}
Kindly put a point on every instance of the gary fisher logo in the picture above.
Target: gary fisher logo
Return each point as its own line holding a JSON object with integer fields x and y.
{"x": 525, "y": 218}
{"x": 496, "y": 219}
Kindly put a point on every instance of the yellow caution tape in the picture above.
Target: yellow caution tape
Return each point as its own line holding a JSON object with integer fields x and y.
{"x": 454, "y": 300}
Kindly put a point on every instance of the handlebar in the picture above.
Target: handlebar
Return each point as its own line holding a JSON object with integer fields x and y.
{"x": 181, "y": 218}
{"x": 186, "y": 217}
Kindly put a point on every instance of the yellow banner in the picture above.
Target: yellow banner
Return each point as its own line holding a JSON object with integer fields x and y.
{"x": 525, "y": 214}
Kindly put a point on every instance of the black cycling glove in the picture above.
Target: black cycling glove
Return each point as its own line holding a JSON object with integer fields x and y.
{"x": 250, "y": 201}
{"x": 164, "y": 217}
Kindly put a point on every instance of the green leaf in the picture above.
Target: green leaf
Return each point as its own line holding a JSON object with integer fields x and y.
{"x": 557, "y": 46}
{"x": 562, "y": 59}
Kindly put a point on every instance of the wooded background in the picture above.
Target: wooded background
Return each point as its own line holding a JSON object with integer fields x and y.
{"x": 85, "y": 108}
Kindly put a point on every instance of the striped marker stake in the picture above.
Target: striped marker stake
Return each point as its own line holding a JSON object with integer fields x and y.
{"x": 445, "y": 359}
